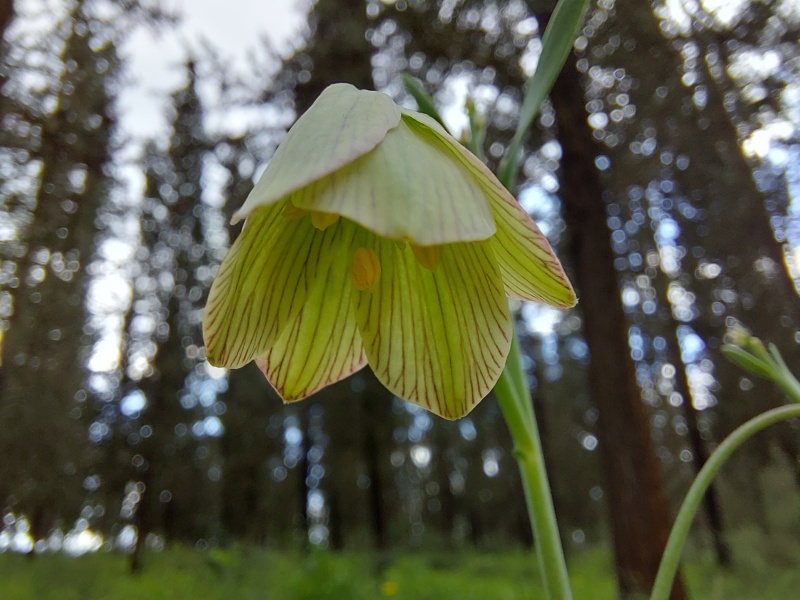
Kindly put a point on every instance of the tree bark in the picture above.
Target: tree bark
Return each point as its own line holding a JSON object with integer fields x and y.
{"x": 6, "y": 16}
{"x": 45, "y": 346}
{"x": 376, "y": 481}
{"x": 711, "y": 501}
{"x": 639, "y": 514}
{"x": 303, "y": 467}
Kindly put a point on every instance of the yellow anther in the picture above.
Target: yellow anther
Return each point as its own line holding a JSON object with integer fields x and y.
{"x": 366, "y": 270}
{"x": 293, "y": 213}
{"x": 322, "y": 220}
{"x": 428, "y": 256}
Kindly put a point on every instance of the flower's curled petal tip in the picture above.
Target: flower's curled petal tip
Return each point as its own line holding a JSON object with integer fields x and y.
{"x": 321, "y": 345}
{"x": 426, "y": 120}
{"x": 262, "y": 284}
{"x": 437, "y": 338}
{"x": 343, "y": 124}
{"x": 408, "y": 188}
{"x": 530, "y": 269}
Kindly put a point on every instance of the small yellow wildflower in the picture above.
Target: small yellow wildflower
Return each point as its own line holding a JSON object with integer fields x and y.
{"x": 390, "y": 588}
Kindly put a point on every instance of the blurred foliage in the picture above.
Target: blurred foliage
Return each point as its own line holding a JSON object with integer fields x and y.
{"x": 248, "y": 573}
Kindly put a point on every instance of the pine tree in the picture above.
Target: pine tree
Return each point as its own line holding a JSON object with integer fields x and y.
{"x": 175, "y": 454}
{"x": 43, "y": 376}
{"x": 6, "y": 15}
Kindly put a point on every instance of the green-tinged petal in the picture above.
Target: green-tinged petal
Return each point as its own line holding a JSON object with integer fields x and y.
{"x": 405, "y": 189}
{"x": 438, "y": 338}
{"x": 322, "y": 344}
{"x": 530, "y": 269}
{"x": 342, "y": 124}
{"x": 427, "y": 121}
{"x": 262, "y": 284}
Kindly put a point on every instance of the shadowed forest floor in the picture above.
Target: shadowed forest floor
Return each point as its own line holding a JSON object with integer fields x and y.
{"x": 244, "y": 574}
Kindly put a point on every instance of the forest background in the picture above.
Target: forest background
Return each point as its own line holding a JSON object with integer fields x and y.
{"x": 663, "y": 170}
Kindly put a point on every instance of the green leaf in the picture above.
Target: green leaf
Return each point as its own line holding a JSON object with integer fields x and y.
{"x": 556, "y": 46}
{"x": 477, "y": 130}
{"x": 776, "y": 356}
{"x": 747, "y": 361}
{"x": 343, "y": 124}
{"x": 438, "y": 338}
{"x": 425, "y": 103}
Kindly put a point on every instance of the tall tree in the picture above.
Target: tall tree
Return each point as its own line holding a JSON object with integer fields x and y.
{"x": 716, "y": 241}
{"x": 43, "y": 376}
{"x": 6, "y": 15}
{"x": 712, "y": 503}
{"x": 336, "y": 50}
{"x": 745, "y": 197}
{"x": 175, "y": 447}
{"x": 253, "y": 489}
{"x": 639, "y": 514}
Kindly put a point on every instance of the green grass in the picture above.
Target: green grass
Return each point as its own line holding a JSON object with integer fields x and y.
{"x": 242, "y": 574}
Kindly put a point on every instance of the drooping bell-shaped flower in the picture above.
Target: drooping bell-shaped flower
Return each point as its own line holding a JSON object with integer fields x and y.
{"x": 374, "y": 236}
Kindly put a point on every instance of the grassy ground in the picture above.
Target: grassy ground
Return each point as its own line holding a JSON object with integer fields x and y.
{"x": 243, "y": 575}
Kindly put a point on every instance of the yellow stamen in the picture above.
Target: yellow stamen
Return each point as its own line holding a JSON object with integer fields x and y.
{"x": 366, "y": 270}
{"x": 293, "y": 213}
{"x": 322, "y": 220}
{"x": 428, "y": 256}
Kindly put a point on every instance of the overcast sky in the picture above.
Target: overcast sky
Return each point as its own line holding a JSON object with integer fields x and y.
{"x": 232, "y": 26}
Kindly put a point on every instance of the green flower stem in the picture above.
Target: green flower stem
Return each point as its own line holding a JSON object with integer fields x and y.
{"x": 680, "y": 530}
{"x": 516, "y": 373}
{"x": 514, "y": 397}
{"x": 512, "y": 390}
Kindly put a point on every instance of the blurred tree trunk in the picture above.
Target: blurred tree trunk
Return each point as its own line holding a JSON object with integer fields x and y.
{"x": 144, "y": 525}
{"x": 303, "y": 468}
{"x": 337, "y": 51}
{"x": 754, "y": 285}
{"x": 247, "y": 450}
{"x": 43, "y": 391}
{"x": 357, "y": 424}
{"x": 372, "y": 458}
{"x": 175, "y": 454}
{"x": 729, "y": 263}
{"x": 336, "y": 525}
{"x": 252, "y": 445}
{"x": 442, "y": 444}
{"x": 639, "y": 513}
{"x": 711, "y": 501}
{"x": 6, "y": 16}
